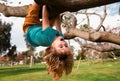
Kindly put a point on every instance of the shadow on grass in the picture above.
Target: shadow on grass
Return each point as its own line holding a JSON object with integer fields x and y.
{"x": 19, "y": 70}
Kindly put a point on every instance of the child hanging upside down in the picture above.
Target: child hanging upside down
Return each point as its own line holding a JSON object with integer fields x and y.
{"x": 58, "y": 56}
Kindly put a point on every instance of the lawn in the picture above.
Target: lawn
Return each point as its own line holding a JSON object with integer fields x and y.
{"x": 109, "y": 71}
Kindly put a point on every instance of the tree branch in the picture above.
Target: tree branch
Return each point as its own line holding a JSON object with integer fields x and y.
{"x": 58, "y": 5}
{"x": 102, "y": 47}
{"x": 20, "y": 11}
{"x": 75, "y": 5}
{"x": 94, "y": 36}
{"x": 102, "y": 19}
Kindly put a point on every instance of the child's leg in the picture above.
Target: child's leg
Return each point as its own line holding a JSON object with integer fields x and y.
{"x": 45, "y": 19}
{"x": 32, "y": 17}
{"x": 46, "y": 22}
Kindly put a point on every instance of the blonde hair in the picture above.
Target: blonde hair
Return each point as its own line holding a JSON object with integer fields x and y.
{"x": 58, "y": 63}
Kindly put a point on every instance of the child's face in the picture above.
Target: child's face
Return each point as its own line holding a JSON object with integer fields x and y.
{"x": 60, "y": 45}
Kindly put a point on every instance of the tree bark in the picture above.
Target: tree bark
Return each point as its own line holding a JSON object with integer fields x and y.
{"x": 101, "y": 47}
{"x": 14, "y": 11}
{"x": 94, "y": 37}
{"x": 58, "y": 5}
{"x": 75, "y": 5}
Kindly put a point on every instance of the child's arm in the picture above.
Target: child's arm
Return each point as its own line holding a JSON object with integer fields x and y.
{"x": 45, "y": 19}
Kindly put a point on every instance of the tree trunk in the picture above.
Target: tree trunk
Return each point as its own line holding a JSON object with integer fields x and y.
{"x": 31, "y": 61}
{"x": 25, "y": 59}
{"x": 11, "y": 63}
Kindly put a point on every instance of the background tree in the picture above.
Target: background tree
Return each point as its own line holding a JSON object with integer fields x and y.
{"x": 12, "y": 54}
{"x": 5, "y": 36}
{"x": 30, "y": 53}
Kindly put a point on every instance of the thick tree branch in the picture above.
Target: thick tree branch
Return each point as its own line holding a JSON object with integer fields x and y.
{"x": 57, "y": 5}
{"x": 102, "y": 47}
{"x": 94, "y": 36}
{"x": 20, "y": 11}
{"x": 75, "y": 5}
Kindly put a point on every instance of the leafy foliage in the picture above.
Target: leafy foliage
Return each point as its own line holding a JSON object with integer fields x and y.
{"x": 12, "y": 53}
{"x": 5, "y": 36}
{"x": 117, "y": 53}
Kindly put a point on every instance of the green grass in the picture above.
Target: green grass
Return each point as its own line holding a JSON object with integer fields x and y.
{"x": 109, "y": 71}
